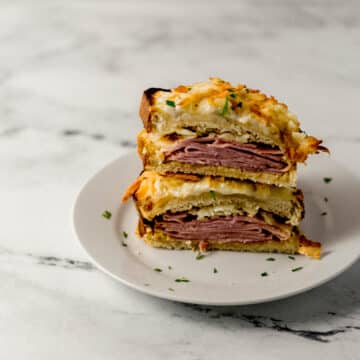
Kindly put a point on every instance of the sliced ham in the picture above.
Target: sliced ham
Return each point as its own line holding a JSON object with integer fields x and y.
{"x": 182, "y": 226}
{"x": 216, "y": 151}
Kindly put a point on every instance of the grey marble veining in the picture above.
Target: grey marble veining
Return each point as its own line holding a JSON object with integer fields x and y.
{"x": 71, "y": 75}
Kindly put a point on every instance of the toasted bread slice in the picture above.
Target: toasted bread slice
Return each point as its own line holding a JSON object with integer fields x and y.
{"x": 156, "y": 193}
{"x": 217, "y": 107}
{"x": 152, "y": 150}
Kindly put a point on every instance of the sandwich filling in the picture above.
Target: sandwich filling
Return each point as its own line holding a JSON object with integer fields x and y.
{"x": 237, "y": 228}
{"x": 216, "y": 151}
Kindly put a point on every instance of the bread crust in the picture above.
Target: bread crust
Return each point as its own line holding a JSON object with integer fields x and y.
{"x": 145, "y": 106}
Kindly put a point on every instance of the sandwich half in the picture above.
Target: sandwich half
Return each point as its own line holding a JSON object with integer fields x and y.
{"x": 214, "y": 128}
{"x": 181, "y": 211}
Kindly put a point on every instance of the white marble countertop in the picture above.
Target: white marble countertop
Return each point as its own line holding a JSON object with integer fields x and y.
{"x": 71, "y": 74}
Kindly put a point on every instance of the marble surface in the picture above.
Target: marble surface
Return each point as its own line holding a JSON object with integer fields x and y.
{"x": 71, "y": 74}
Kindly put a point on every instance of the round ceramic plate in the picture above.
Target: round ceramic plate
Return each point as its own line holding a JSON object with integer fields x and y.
{"x": 220, "y": 278}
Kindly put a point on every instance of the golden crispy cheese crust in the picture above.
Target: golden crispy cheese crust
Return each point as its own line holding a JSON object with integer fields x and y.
{"x": 155, "y": 193}
{"x": 154, "y": 185}
{"x": 309, "y": 248}
{"x": 216, "y": 99}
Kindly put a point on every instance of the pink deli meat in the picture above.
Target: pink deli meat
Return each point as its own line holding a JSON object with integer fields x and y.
{"x": 182, "y": 226}
{"x": 219, "y": 152}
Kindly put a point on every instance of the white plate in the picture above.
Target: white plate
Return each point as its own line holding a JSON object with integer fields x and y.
{"x": 238, "y": 280}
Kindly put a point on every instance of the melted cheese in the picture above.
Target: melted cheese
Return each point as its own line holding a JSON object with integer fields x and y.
{"x": 221, "y": 210}
{"x": 215, "y": 104}
{"x": 209, "y": 99}
{"x": 160, "y": 187}
{"x": 230, "y": 210}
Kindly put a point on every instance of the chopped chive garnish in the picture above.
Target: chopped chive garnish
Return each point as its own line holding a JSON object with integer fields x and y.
{"x": 215, "y": 271}
{"x": 327, "y": 180}
{"x": 158, "y": 270}
{"x": 239, "y": 104}
{"x": 125, "y": 234}
{"x": 189, "y": 88}
{"x": 107, "y": 214}
{"x": 297, "y": 269}
{"x": 270, "y": 259}
{"x": 264, "y": 274}
{"x": 326, "y": 199}
{"x": 225, "y": 108}
{"x": 124, "y": 244}
{"x": 213, "y": 194}
{"x": 233, "y": 95}
{"x": 324, "y": 213}
{"x": 171, "y": 289}
{"x": 170, "y": 103}
{"x": 182, "y": 279}
{"x": 291, "y": 257}
{"x": 169, "y": 267}
{"x": 199, "y": 256}
{"x": 231, "y": 90}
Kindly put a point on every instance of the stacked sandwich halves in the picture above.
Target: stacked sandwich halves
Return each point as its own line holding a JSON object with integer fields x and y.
{"x": 220, "y": 170}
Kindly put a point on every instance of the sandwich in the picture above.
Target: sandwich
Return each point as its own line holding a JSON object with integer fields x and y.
{"x": 216, "y": 129}
{"x": 187, "y": 211}
{"x": 220, "y": 171}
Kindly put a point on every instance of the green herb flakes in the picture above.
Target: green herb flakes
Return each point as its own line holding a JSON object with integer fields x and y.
{"x": 125, "y": 234}
{"x": 264, "y": 274}
{"x": 171, "y": 289}
{"x": 213, "y": 194}
{"x": 182, "y": 279}
{"x": 215, "y": 271}
{"x": 297, "y": 269}
{"x": 107, "y": 214}
{"x": 291, "y": 257}
{"x": 233, "y": 95}
{"x": 199, "y": 256}
{"x": 169, "y": 267}
{"x": 225, "y": 108}
{"x": 170, "y": 103}
{"x": 270, "y": 259}
{"x": 124, "y": 244}
{"x": 157, "y": 270}
{"x": 327, "y": 180}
